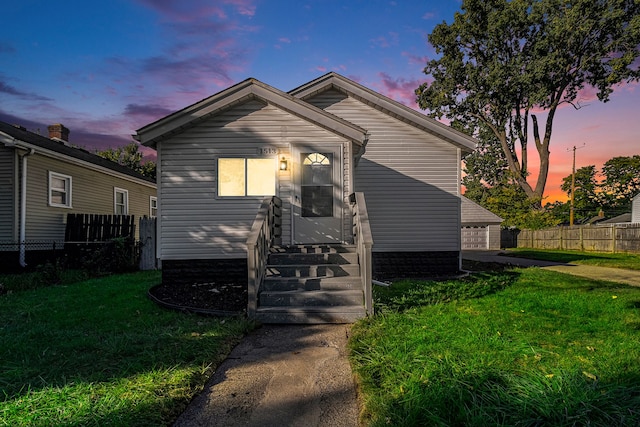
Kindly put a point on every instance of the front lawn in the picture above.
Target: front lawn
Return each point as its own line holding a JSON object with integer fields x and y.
{"x": 617, "y": 260}
{"x": 527, "y": 347}
{"x": 100, "y": 353}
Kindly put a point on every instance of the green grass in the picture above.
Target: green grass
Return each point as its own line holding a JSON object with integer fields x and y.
{"x": 617, "y": 260}
{"x": 526, "y": 347}
{"x": 99, "y": 353}
{"x": 47, "y": 276}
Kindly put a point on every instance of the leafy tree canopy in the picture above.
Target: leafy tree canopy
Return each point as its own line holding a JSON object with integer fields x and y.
{"x": 621, "y": 181}
{"x": 503, "y": 61}
{"x": 131, "y": 157}
{"x": 612, "y": 193}
{"x": 587, "y": 200}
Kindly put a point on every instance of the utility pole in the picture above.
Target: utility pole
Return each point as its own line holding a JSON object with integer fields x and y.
{"x": 573, "y": 185}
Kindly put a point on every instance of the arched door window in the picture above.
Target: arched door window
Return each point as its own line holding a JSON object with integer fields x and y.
{"x": 317, "y": 184}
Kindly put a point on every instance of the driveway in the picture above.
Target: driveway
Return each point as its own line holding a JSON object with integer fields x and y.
{"x": 618, "y": 275}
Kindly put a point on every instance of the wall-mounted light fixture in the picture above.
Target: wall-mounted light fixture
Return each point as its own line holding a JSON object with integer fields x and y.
{"x": 283, "y": 164}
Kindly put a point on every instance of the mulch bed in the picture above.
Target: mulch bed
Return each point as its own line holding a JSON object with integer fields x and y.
{"x": 206, "y": 298}
{"x": 229, "y": 299}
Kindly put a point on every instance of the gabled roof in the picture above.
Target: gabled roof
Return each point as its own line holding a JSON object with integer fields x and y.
{"x": 473, "y": 213}
{"x": 395, "y": 109}
{"x": 242, "y": 92}
{"x": 13, "y": 136}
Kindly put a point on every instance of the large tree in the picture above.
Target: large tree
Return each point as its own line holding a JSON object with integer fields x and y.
{"x": 621, "y": 182}
{"x": 131, "y": 157}
{"x": 509, "y": 65}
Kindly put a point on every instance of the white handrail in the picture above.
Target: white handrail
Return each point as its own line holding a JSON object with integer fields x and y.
{"x": 363, "y": 239}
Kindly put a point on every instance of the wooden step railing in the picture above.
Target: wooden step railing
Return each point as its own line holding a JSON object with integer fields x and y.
{"x": 265, "y": 232}
{"x": 363, "y": 239}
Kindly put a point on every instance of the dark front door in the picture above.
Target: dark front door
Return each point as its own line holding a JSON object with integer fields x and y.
{"x": 317, "y": 206}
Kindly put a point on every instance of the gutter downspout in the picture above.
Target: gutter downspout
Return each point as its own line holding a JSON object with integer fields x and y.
{"x": 23, "y": 207}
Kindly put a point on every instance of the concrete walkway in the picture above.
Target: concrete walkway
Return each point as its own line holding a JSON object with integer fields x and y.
{"x": 299, "y": 375}
{"x": 618, "y": 275}
{"x": 281, "y": 375}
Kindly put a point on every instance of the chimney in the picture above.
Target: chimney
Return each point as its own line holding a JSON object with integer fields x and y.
{"x": 59, "y": 132}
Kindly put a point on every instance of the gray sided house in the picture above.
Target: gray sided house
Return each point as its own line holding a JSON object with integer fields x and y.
{"x": 44, "y": 179}
{"x": 635, "y": 209}
{"x": 480, "y": 227}
{"x": 341, "y": 164}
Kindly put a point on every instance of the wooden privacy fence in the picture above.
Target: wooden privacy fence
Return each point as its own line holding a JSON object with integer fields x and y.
{"x": 98, "y": 228}
{"x": 588, "y": 238}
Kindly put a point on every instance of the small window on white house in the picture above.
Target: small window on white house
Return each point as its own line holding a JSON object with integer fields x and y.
{"x": 153, "y": 206}
{"x": 120, "y": 201}
{"x": 246, "y": 177}
{"x": 59, "y": 190}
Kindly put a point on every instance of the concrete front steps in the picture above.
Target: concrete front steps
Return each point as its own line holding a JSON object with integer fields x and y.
{"x": 312, "y": 284}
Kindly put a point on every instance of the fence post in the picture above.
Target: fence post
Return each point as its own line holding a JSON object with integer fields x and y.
{"x": 613, "y": 238}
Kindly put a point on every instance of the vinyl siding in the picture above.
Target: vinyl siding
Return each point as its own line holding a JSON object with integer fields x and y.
{"x": 194, "y": 222}
{"x": 7, "y": 195}
{"x": 635, "y": 209}
{"x": 92, "y": 192}
{"x": 409, "y": 177}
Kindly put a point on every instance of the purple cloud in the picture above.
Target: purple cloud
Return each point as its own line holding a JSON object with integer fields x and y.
{"x": 87, "y": 140}
{"x": 207, "y": 49}
{"x": 10, "y": 90}
{"x": 415, "y": 59}
{"x": 147, "y": 113}
{"x": 399, "y": 89}
{"x": 391, "y": 39}
{"x": 182, "y": 11}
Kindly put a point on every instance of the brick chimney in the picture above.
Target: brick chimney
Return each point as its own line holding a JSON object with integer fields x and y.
{"x": 58, "y": 131}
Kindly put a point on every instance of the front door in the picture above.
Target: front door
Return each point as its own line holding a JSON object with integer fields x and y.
{"x": 317, "y": 200}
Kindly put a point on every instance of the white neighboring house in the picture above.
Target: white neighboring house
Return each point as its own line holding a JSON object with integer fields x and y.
{"x": 406, "y": 164}
{"x": 635, "y": 209}
{"x": 322, "y": 160}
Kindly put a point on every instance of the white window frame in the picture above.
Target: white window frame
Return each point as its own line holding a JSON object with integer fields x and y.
{"x": 117, "y": 190}
{"x": 67, "y": 190}
{"x": 246, "y": 175}
{"x": 153, "y": 206}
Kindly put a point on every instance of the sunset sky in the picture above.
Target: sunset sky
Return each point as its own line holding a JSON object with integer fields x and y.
{"x": 105, "y": 69}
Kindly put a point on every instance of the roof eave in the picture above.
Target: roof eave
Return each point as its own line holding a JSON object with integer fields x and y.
{"x": 248, "y": 89}
{"x": 466, "y": 143}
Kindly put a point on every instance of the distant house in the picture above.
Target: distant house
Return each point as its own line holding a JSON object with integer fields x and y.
{"x": 635, "y": 209}
{"x": 480, "y": 227}
{"x": 42, "y": 179}
{"x": 619, "y": 219}
{"x": 312, "y": 148}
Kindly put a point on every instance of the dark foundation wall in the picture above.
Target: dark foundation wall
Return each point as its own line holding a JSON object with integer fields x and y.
{"x": 396, "y": 265}
{"x": 386, "y": 266}
{"x": 205, "y": 271}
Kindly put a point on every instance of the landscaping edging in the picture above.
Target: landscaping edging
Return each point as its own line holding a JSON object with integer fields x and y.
{"x": 189, "y": 309}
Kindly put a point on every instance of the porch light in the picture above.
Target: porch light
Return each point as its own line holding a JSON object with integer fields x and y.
{"x": 283, "y": 164}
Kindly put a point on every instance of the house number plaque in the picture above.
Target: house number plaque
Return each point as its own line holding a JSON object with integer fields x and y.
{"x": 268, "y": 150}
